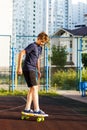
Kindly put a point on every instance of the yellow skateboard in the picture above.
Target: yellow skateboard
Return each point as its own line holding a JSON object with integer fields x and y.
{"x": 39, "y": 117}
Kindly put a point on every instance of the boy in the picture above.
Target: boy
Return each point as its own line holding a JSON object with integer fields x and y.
{"x": 31, "y": 63}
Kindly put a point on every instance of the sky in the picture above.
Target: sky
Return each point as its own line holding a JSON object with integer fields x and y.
{"x": 75, "y": 1}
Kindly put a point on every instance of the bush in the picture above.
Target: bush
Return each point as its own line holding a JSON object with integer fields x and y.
{"x": 65, "y": 79}
{"x": 84, "y": 75}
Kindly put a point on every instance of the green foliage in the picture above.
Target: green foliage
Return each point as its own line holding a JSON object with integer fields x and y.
{"x": 65, "y": 79}
{"x": 59, "y": 55}
{"x": 4, "y": 92}
{"x": 4, "y": 79}
{"x": 84, "y": 59}
{"x": 84, "y": 74}
{"x": 49, "y": 93}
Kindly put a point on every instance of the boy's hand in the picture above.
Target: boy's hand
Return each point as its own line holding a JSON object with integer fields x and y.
{"x": 39, "y": 75}
{"x": 19, "y": 71}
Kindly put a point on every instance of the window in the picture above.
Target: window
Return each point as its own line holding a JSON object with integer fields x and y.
{"x": 70, "y": 57}
{"x": 85, "y": 45}
{"x": 33, "y": 26}
{"x": 33, "y": 22}
{"x": 70, "y": 45}
{"x": 33, "y": 31}
{"x": 85, "y": 41}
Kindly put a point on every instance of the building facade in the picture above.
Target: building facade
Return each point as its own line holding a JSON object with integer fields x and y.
{"x": 75, "y": 41}
{"x": 60, "y": 16}
{"x": 32, "y": 17}
{"x": 28, "y": 21}
{"x": 78, "y": 11}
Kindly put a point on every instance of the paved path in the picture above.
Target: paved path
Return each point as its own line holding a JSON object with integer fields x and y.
{"x": 76, "y": 95}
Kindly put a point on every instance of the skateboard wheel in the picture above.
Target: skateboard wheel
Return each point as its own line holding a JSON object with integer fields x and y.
{"x": 39, "y": 119}
{"x": 42, "y": 119}
{"x": 22, "y": 117}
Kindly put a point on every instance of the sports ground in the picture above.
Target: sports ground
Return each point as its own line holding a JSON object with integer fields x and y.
{"x": 64, "y": 114}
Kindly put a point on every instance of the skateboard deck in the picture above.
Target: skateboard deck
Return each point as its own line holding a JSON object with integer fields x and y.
{"x": 39, "y": 117}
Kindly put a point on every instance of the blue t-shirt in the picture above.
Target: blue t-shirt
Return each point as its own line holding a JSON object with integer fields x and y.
{"x": 32, "y": 54}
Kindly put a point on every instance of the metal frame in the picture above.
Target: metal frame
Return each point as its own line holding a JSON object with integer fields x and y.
{"x": 14, "y": 65}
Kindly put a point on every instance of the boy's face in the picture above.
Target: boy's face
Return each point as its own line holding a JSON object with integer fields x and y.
{"x": 41, "y": 42}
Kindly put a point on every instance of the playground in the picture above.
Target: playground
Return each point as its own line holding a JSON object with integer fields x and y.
{"x": 67, "y": 110}
{"x": 64, "y": 113}
{"x": 10, "y": 53}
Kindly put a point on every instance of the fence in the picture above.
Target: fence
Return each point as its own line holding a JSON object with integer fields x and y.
{"x": 75, "y": 46}
{"x": 48, "y": 69}
{"x": 20, "y": 40}
{"x": 5, "y": 42}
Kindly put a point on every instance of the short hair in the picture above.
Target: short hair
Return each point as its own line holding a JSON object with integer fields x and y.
{"x": 43, "y": 36}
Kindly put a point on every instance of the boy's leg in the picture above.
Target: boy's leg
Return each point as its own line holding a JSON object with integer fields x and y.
{"x": 35, "y": 98}
{"x": 32, "y": 96}
{"x": 29, "y": 100}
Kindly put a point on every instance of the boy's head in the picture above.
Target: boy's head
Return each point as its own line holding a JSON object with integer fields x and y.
{"x": 42, "y": 38}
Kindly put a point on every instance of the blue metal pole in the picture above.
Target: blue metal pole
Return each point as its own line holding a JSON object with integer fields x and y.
{"x": 80, "y": 62}
{"x": 12, "y": 68}
{"x": 77, "y": 66}
{"x": 46, "y": 68}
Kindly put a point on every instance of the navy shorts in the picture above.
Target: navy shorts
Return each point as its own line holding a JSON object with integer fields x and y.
{"x": 30, "y": 78}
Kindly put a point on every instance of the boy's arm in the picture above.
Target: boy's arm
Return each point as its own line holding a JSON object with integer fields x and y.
{"x": 39, "y": 73}
{"x": 38, "y": 68}
{"x": 20, "y": 57}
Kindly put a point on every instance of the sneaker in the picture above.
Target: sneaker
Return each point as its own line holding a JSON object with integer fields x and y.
{"x": 40, "y": 112}
{"x": 28, "y": 111}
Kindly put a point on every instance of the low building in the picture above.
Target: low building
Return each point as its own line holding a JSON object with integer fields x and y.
{"x": 75, "y": 41}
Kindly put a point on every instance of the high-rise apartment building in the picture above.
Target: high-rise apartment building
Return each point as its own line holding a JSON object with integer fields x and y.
{"x": 65, "y": 14}
{"x": 50, "y": 16}
{"x": 29, "y": 19}
{"x": 33, "y": 16}
{"x": 61, "y": 15}
{"x": 79, "y": 9}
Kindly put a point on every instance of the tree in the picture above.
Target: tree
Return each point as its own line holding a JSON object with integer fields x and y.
{"x": 84, "y": 59}
{"x": 59, "y": 56}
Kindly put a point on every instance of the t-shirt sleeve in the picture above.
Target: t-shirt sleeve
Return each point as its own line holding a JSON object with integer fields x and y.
{"x": 29, "y": 48}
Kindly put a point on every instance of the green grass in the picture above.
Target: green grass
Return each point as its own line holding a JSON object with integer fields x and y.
{"x": 14, "y": 93}
{"x": 24, "y": 93}
{"x": 49, "y": 93}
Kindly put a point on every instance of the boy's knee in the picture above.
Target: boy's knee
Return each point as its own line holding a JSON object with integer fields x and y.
{"x": 34, "y": 88}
